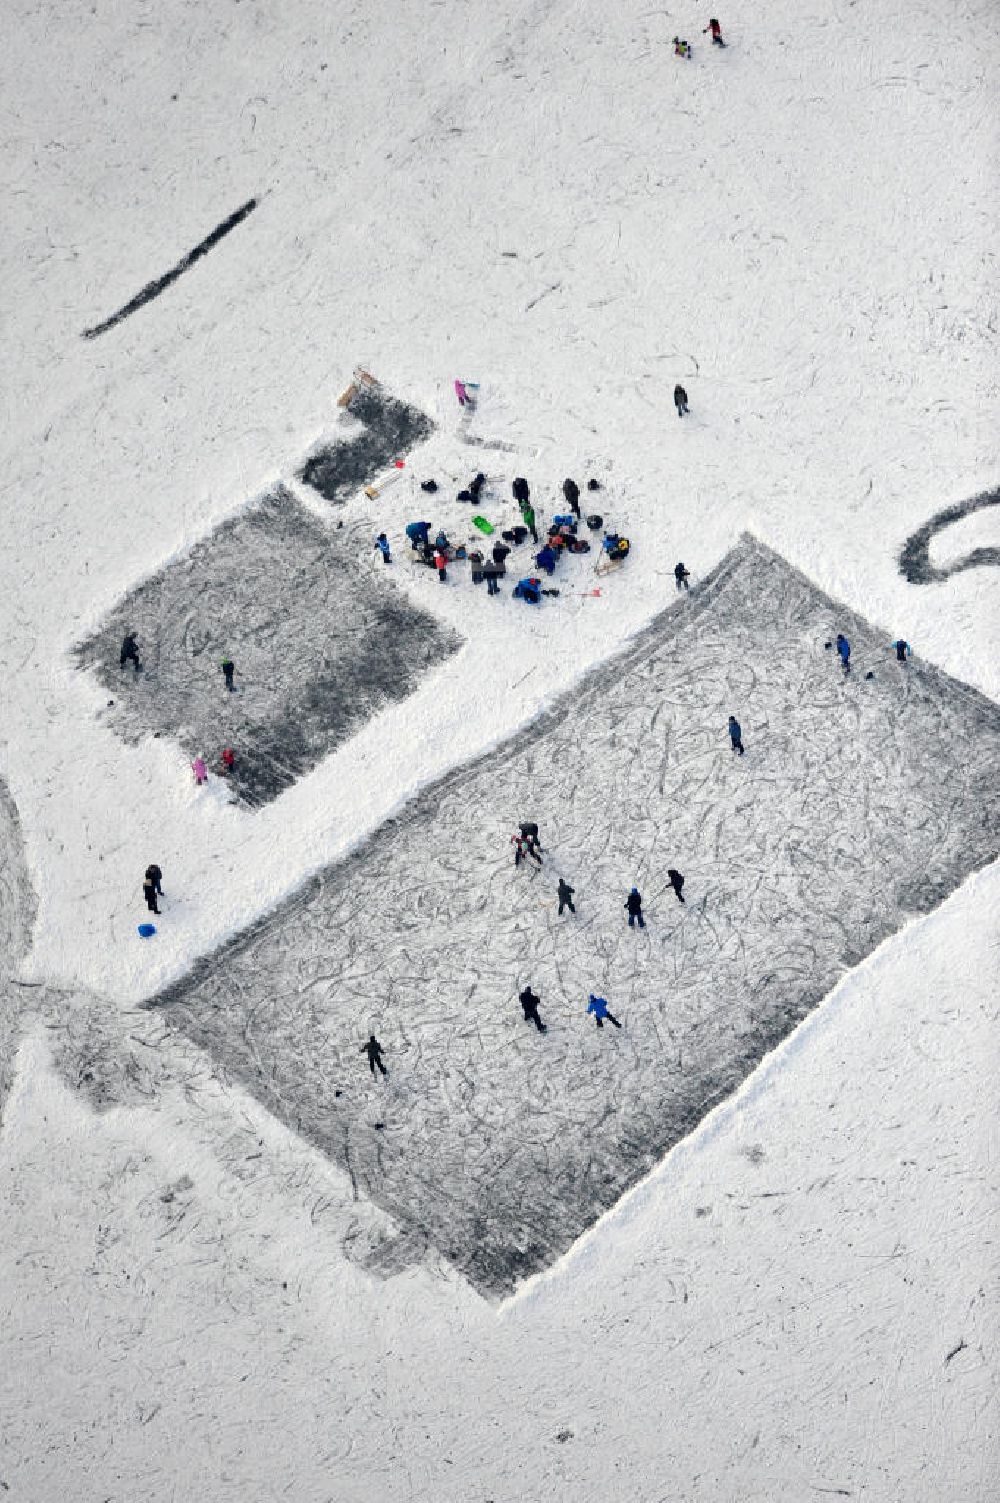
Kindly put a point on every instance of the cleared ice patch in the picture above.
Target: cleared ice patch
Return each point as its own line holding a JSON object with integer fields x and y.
{"x": 861, "y": 802}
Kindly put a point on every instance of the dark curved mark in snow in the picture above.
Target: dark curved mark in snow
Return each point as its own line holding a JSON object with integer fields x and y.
{"x": 915, "y": 557}
{"x": 153, "y": 289}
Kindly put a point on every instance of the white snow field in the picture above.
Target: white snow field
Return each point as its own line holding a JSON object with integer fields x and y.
{"x": 204, "y": 1291}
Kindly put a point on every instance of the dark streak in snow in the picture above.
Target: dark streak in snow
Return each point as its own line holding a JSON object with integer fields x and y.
{"x": 915, "y": 557}
{"x": 160, "y": 284}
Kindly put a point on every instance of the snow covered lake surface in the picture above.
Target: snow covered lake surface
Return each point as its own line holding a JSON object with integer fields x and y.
{"x": 218, "y": 1277}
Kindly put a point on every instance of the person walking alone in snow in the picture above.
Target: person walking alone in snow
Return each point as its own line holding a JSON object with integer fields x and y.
{"x": 382, "y": 544}
{"x": 844, "y": 649}
{"x": 682, "y": 576}
{"x": 373, "y": 1049}
{"x": 200, "y": 770}
{"x": 735, "y": 735}
{"x": 716, "y": 30}
{"x": 228, "y": 760}
{"x": 677, "y": 883}
{"x": 903, "y": 650}
{"x": 566, "y": 897}
{"x": 155, "y": 876}
{"x": 571, "y": 491}
{"x": 530, "y": 1002}
{"x": 680, "y": 395}
{"x": 599, "y": 1007}
{"x": 634, "y": 905}
{"x": 149, "y": 893}
{"x": 228, "y": 669}
{"x": 130, "y": 652}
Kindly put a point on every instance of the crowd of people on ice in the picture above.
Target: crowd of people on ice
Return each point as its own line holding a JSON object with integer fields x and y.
{"x": 488, "y": 561}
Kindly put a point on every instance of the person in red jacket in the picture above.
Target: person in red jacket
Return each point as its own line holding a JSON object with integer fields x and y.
{"x": 441, "y": 565}
{"x": 228, "y": 759}
{"x": 716, "y": 30}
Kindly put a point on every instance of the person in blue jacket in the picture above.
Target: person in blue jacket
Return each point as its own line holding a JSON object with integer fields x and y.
{"x": 634, "y": 905}
{"x": 382, "y": 544}
{"x": 546, "y": 559}
{"x": 599, "y": 1007}
{"x": 735, "y": 735}
{"x": 529, "y": 590}
{"x": 903, "y": 650}
{"x": 417, "y": 532}
{"x": 844, "y": 649}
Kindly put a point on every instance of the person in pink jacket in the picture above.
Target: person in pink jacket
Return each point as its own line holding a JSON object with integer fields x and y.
{"x": 200, "y": 770}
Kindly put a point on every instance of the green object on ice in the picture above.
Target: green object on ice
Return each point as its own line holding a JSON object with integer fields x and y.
{"x": 482, "y": 524}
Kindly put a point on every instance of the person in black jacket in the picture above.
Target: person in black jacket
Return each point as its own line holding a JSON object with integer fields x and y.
{"x": 677, "y": 883}
{"x": 634, "y": 905}
{"x": 572, "y": 493}
{"x": 530, "y": 1002}
{"x": 682, "y": 576}
{"x": 373, "y": 1049}
{"x": 130, "y": 652}
{"x": 149, "y": 893}
{"x": 500, "y": 555}
{"x": 522, "y": 494}
{"x": 491, "y": 573}
{"x": 680, "y": 400}
{"x": 566, "y": 897}
{"x": 154, "y": 875}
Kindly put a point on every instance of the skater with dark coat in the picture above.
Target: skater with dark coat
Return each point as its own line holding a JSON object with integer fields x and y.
{"x": 566, "y": 897}
{"x": 149, "y": 893}
{"x": 491, "y": 573}
{"x": 571, "y": 491}
{"x": 373, "y": 1049}
{"x": 382, "y": 544}
{"x": 530, "y": 1002}
{"x": 634, "y": 905}
{"x": 500, "y": 555}
{"x": 680, "y": 400}
{"x": 155, "y": 876}
{"x": 228, "y": 669}
{"x": 682, "y": 576}
{"x": 130, "y": 652}
{"x": 903, "y": 650}
{"x": 599, "y": 1007}
{"x": 677, "y": 883}
{"x": 716, "y": 30}
{"x": 844, "y": 649}
{"x": 522, "y": 495}
{"x": 735, "y": 735}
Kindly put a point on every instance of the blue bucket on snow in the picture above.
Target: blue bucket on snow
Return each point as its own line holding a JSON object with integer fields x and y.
{"x": 146, "y": 930}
